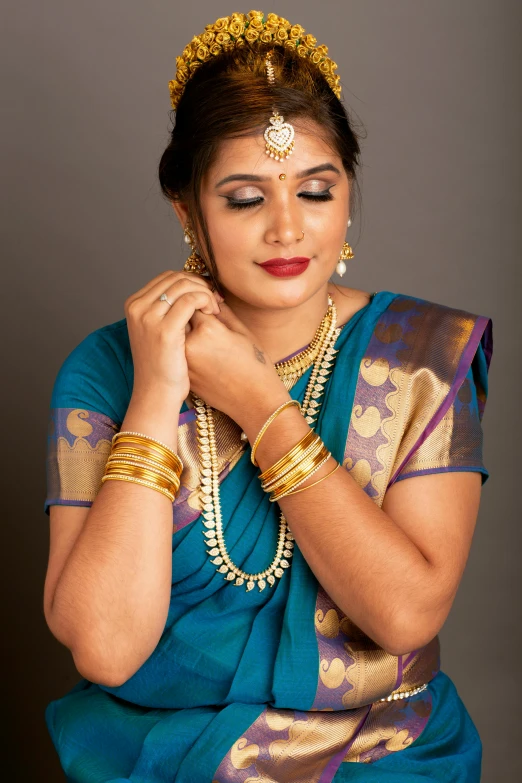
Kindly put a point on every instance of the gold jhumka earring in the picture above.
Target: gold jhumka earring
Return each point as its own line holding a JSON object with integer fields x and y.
{"x": 194, "y": 262}
{"x": 345, "y": 255}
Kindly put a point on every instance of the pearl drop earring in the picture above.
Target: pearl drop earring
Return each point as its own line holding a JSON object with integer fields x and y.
{"x": 346, "y": 254}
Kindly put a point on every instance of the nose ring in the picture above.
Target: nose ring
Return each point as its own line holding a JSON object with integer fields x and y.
{"x": 299, "y": 240}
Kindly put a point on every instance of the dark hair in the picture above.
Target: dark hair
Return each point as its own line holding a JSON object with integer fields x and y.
{"x": 229, "y": 96}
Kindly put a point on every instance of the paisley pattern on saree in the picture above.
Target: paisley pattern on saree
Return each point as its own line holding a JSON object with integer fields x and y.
{"x": 78, "y": 445}
{"x": 389, "y": 727}
{"x": 416, "y": 360}
{"x": 290, "y": 746}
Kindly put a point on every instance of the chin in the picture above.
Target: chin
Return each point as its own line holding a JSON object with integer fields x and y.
{"x": 285, "y": 293}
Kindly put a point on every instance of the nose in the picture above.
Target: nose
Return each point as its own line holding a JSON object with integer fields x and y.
{"x": 285, "y": 227}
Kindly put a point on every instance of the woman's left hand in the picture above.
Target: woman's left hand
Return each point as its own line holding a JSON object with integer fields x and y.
{"x": 228, "y": 366}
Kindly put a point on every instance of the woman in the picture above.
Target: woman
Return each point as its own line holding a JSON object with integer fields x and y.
{"x": 239, "y": 608}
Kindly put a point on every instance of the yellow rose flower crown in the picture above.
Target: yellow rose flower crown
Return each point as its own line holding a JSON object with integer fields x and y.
{"x": 236, "y": 30}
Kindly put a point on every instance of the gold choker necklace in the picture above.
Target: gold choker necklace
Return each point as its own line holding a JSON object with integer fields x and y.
{"x": 290, "y": 370}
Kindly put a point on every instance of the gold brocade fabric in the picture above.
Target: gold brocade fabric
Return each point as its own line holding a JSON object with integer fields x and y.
{"x": 79, "y": 444}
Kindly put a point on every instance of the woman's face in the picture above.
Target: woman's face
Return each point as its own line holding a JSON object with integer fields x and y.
{"x": 253, "y": 215}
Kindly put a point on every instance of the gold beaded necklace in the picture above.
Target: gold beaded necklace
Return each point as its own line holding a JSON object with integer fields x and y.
{"x": 327, "y": 335}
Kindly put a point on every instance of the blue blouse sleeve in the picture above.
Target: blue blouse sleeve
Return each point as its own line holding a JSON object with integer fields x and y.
{"x": 89, "y": 400}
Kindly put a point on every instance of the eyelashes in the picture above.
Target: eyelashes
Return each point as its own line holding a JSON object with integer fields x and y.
{"x": 232, "y": 204}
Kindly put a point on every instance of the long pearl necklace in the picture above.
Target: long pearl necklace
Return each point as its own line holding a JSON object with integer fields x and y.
{"x": 210, "y": 499}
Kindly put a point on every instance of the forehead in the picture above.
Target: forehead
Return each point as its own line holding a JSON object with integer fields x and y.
{"x": 247, "y": 154}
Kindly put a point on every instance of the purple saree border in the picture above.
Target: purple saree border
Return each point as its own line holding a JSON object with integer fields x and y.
{"x": 452, "y": 469}
{"x": 487, "y": 341}
{"x": 479, "y": 329}
{"x": 409, "y": 659}
{"x": 400, "y": 671}
{"x": 62, "y": 502}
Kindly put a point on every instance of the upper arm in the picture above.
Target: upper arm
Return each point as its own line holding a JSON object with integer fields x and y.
{"x": 89, "y": 399}
{"x": 435, "y": 495}
{"x": 438, "y": 513}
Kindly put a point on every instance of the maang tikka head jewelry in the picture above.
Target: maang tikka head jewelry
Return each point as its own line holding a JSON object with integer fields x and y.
{"x": 279, "y": 135}
{"x": 194, "y": 262}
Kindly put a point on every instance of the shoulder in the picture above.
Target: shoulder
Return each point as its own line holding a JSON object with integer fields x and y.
{"x": 407, "y": 302}
{"x": 426, "y": 351}
{"x": 434, "y": 329}
{"x": 98, "y": 373}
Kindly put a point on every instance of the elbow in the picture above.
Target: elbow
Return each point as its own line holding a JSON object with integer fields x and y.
{"x": 92, "y": 667}
{"x": 98, "y": 671}
{"x": 411, "y": 632}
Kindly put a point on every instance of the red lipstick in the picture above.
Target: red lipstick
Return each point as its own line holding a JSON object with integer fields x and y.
{"x": 286, "y": 267}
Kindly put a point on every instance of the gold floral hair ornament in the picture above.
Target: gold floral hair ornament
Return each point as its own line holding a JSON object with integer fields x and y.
{"x": 229, "y": 32}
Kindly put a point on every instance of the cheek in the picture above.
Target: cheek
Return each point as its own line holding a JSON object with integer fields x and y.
{"x": 231, "y": 239}
{"x": 328, "y": 226}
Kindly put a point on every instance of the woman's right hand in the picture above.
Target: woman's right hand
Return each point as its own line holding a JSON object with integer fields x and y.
{"x": 157, "y": 332}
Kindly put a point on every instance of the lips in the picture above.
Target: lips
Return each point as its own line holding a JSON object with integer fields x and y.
{"x": 274, "y": 262}
{"x": 286, "y": 267}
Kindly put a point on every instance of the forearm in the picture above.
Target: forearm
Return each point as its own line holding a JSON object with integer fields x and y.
{"x": 111, "y": 601}
{"x": 361, "y": 557}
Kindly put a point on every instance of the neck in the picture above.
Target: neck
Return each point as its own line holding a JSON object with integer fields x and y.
{"x": 282, "y": 331}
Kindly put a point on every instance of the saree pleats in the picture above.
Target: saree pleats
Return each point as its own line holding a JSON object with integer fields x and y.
{"x": 275, "y": 685}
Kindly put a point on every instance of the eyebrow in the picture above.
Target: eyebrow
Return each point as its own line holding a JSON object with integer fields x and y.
{"x": 301, "y": 175}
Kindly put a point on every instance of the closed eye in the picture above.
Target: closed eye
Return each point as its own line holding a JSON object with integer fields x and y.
{"x": 244, "y": 204}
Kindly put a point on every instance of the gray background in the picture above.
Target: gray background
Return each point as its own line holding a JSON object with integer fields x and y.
{"x": 437, "y": 87}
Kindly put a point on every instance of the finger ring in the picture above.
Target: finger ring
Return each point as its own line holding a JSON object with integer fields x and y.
{"x": 164, "y": 298}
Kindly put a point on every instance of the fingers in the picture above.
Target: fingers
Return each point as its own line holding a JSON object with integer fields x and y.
{"x": 149, "y": 285}
{"x": 159, "y": 284}
{"x": 206, "y": 300}
{"x": 187, "y": 306}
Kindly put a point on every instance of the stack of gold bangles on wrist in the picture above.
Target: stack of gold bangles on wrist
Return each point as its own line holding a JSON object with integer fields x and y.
{"x": 143, "y": 460}
{"x": 292, "y": 470}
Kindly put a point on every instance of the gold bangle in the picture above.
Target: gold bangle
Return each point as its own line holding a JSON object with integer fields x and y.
{"x": 134, "y": 480}
{"x": 298, "y": 479}
{"x": 294, "y": 453}
{"x": 154, "y": 464}
{"x": 296, "y": 467}
{"x": 294, "y": 492}
{"x": 127, "y": 465}
{"x": 146, "y": 453}
{"x": 152, "y": 443}
{"x": 139, "y": 462}
{"x": 147, "y": 438}
{"x": 142, "y": 473}
{"x": 267, "y": 423}
{"x": 151, "y": 449}
{"x": 138, "y": 456}
{"x": 273, "y": 498}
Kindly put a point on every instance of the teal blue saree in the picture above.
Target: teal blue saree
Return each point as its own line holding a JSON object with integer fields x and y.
{"x": 279, "y": 685}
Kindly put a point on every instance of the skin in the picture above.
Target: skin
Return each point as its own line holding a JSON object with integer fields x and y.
{"x": 393, "y": 570}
